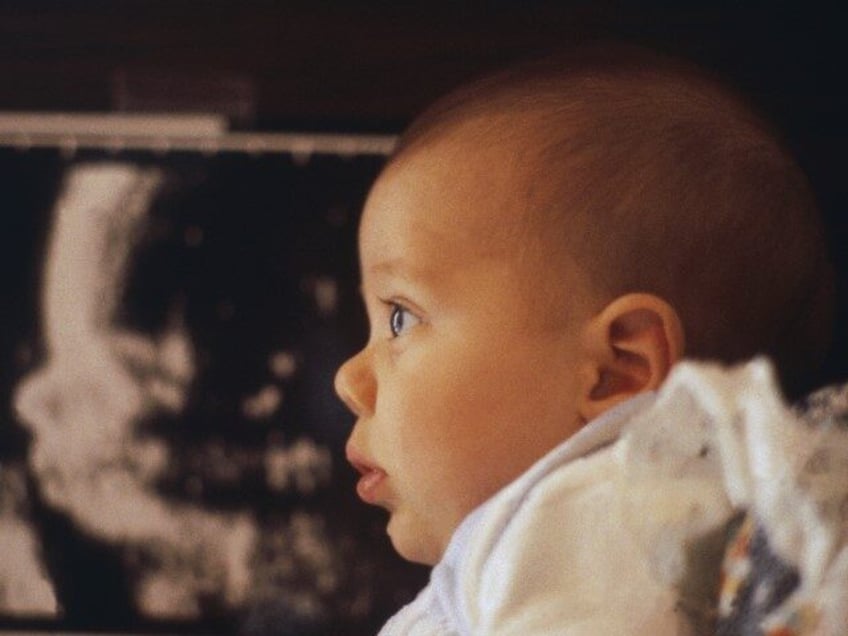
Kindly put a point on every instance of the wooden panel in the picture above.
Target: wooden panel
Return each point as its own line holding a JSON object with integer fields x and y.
{"x": 375, "y": 64}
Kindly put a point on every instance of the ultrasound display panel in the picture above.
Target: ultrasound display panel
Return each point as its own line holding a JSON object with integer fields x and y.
{"x": 171, "y": 449}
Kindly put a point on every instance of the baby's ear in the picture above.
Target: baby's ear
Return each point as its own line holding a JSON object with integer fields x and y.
{"x": 631, "y": 346}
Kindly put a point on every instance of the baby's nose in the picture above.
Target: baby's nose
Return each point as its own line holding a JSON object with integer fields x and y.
{"x": 355, "y": 384}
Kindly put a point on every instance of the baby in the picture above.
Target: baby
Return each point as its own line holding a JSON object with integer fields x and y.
{"x": 541, "y": 249}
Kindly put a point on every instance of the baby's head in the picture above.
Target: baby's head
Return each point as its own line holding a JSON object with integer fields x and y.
{"x": 546, "y": 244}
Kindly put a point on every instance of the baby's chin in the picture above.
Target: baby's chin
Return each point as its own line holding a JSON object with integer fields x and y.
{"x": 412, "y": 542}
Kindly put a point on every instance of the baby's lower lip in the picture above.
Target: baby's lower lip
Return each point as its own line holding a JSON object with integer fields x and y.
{"x": 369, "y": 483}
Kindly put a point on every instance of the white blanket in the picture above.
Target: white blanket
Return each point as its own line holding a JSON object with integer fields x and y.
{"x": 620, "y": 530}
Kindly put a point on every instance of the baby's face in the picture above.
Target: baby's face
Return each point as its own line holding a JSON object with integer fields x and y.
{"x": 459, "y": 389}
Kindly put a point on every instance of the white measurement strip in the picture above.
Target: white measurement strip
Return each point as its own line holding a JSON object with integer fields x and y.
{"x": 116, "y": 132}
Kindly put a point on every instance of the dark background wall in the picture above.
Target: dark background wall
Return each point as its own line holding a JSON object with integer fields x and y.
{"x": 373, "y": 64}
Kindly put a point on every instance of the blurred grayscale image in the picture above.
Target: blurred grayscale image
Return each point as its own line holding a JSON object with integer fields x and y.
{"x": 171, "y": 450}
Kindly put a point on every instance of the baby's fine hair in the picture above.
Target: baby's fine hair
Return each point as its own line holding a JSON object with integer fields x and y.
{"x": 659, "y": 179}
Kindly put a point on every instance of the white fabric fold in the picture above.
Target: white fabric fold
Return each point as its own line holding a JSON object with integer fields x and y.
{"x": 606, "y": 534}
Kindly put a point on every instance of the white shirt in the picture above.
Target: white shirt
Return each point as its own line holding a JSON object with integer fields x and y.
{"x": 594, "y": 538}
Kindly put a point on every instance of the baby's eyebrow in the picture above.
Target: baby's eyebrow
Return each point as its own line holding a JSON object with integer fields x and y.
{"x": 390, "y": 266}
{"x": 402, "y": 268}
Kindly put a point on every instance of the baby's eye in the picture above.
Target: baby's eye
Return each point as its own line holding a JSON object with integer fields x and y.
{"x": 401, "y": 319}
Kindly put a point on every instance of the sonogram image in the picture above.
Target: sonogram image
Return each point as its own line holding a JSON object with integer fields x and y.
{"x": 171, "y": 453}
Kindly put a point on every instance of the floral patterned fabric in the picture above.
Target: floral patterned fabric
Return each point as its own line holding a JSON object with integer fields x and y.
{"x": 763, "y": 590}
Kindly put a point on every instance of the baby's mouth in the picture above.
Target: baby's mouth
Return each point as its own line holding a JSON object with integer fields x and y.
{"x": 371, "y": 476}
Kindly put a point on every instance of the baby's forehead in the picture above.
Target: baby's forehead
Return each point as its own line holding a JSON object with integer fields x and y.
{"x": 485, "y": 171}
{"x": 500, "y": 154}
{"x": 469, "y": 191}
